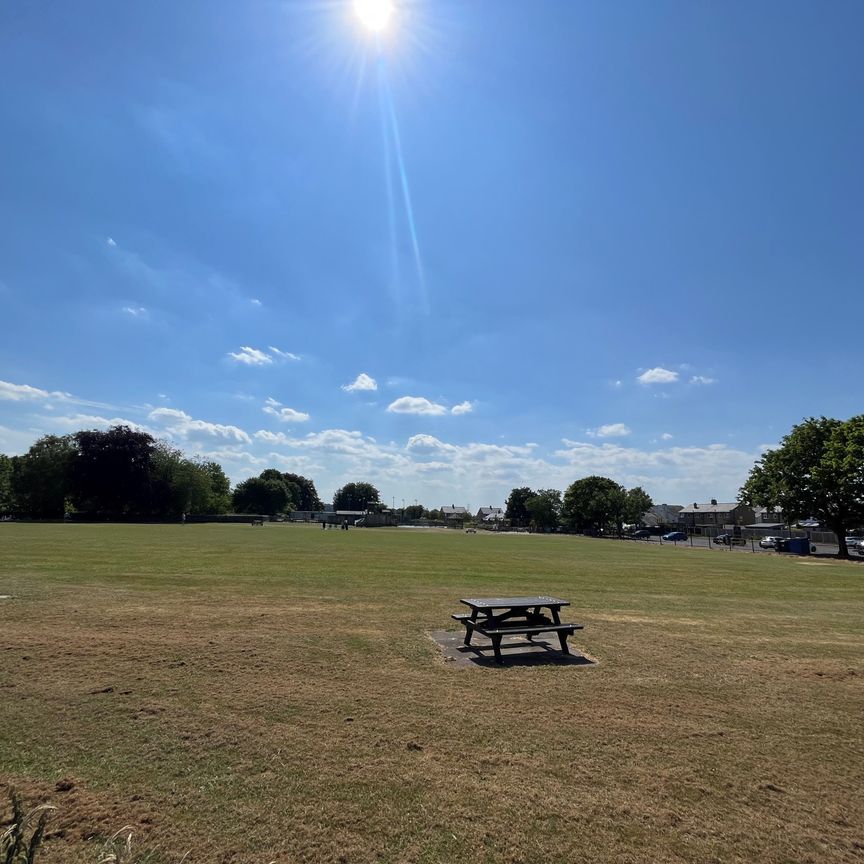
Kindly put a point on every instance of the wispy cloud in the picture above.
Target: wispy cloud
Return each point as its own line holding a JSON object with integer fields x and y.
{"x": 415, "y": 405}
{"x": 183, "y": 426}
{"x": 658, "y": 375}
{"x": 465, "y": 407}
{"x": 111, "y": 242}
{"x": 21, "y": 392}
{"x": 135, "y": 311}
{"x": 610, "y": 430}
{"x": 251, "y": 357}
{"x": 254, "y": 301}
{"x": 361, "y": 382}
{"x": 666, "y": 436}
{"x": 284, "y": 355}
{"x": 286, "y": 415}
{"x": 700, "y": 380}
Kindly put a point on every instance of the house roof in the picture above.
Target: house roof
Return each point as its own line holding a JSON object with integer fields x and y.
{"x": 711, "y": 508}
{"x": 454, "y": 511}
{"x": 486, "y": 511}
{"x": 494, "y": 517}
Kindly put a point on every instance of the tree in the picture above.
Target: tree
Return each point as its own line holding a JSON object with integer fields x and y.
{"x": 593, "y": 502}
{"x": 41, "y": 477}
{"x": 262, "y": 495}
{"x": 219, "y": 496}
{"x": 356, "y": 496}
{"x": 817, "y": 471}
{"x": 308, "y": 498}
{"x": 414, "y": 511}
{"x": 516, "y": 511}
{"x": 637, "y": 502}
{"x": 6, "y": 498}
{"x": 544, "y": 508}
{"x": 110, "y": 473}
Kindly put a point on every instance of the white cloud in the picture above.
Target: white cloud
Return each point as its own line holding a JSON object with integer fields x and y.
{"x": 255, "y": 301}
{"x": 180, "y": 424}
{"x": 284, "y": 355}
{"x": 610, "y": 430}
{"x": 251, "y": 357}
{"x": 666, "y": 436}
{"x": 135, "y": 311}
{"x": 286, "y": 415}
{"x": 658, "y": 375}
{"x": 701, "y": 379}
{"x": 21, "y": 392}
{"x": 93, "y": 421}
{"x": 415, "y": 405}
{"x": 361, "y": 382}
{"x": 111, "y": 242}
{"x": 465, "y": 407}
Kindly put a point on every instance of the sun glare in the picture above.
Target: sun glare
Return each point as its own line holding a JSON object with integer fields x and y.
{"x": 374, "y": 14}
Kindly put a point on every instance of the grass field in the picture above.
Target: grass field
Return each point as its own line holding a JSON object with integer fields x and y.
{"x": 260, "y": 695}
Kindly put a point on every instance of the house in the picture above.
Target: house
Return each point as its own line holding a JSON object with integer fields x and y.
{"x": 663, "y": 514}
{"x": 767, "y": 515}
{"x": 698, "y": 517}
{"x": 454, "y": 514}
{"x": 490, "y": 514}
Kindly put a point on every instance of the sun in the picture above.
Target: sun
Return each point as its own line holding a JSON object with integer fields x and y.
{"x": 374, "y": 14}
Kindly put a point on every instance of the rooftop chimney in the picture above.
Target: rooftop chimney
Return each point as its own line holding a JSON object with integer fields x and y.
{"x": 714, "y": 501}
{"x": 695, "y": 506}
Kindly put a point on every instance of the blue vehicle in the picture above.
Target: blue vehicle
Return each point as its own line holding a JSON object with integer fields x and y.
{"x": 675, "y": 536}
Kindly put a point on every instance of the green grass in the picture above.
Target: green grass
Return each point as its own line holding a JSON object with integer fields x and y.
{"x": 260, "y": 695}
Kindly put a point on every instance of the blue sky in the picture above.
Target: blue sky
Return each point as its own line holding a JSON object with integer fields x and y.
{"x": 502, "y": 244}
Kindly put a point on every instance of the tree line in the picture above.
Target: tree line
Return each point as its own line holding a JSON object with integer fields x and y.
{"x": 127, "y": 474}
{"x": 590, "y": 504}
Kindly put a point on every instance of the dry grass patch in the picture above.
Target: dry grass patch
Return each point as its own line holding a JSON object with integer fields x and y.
{"x": 274, "y": 697}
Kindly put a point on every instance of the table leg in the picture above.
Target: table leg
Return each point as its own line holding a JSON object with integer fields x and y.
{"x": 562, "y": 638}
{"x": 469, "y": 630}
{"x": 555, "y": 617}
{"x": 496, "y": 647}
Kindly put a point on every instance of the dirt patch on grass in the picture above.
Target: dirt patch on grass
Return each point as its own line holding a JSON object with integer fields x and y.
{"x": 82, "y": 817}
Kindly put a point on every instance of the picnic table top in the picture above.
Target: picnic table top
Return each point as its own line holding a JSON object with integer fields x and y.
{"x": 512, "y": 602}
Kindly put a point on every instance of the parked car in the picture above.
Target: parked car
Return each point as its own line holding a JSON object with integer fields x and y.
{"x": 729, "y": 540}
{"x": 853, "y": 542}
{"x": 769, "y": 542}
{"x": 675, "y": 536}
{"x": 860, "y": 548}
{"x": 640, "y": 534}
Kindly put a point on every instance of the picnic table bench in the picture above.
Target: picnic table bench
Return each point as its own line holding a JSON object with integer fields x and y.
{"x": 257, "y": 522}
{"x": 496, "y": 617}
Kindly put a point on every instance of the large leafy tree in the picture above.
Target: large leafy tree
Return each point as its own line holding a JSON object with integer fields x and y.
{"x": 111, "y": 472}
{"x": 308, "y": 495}
{"x": 356, "y": 496}
{"x": 637, "y": 502}
{"x": 594, "y": 502}
{"x": 516, "y": 510}
{"x": 6, "y": 499}
{"x": 219, "y": 495}
{"x": 262, "y": 495}
{"x": 817, "y": 471}
{"x": 41, "y": 477}
{"x": 544, "y": 508}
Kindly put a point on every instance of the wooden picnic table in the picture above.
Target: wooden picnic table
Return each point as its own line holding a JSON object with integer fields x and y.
{"x": 496, "y": 617}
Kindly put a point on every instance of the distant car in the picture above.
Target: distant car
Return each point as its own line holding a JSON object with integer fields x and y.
{"x": 729, "y": 540}
{"x": 852, "y": 542}
{"x": 860, "y": 548}
{"x": 769, "y": 542}
{"x": 640, "y": 534}
{"x": 675, "y": 536}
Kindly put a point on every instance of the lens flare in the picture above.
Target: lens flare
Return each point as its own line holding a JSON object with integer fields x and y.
{"x": 374, "y": 14}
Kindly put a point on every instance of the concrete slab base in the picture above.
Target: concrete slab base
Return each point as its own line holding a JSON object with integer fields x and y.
{"x": 515, "y": 650}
